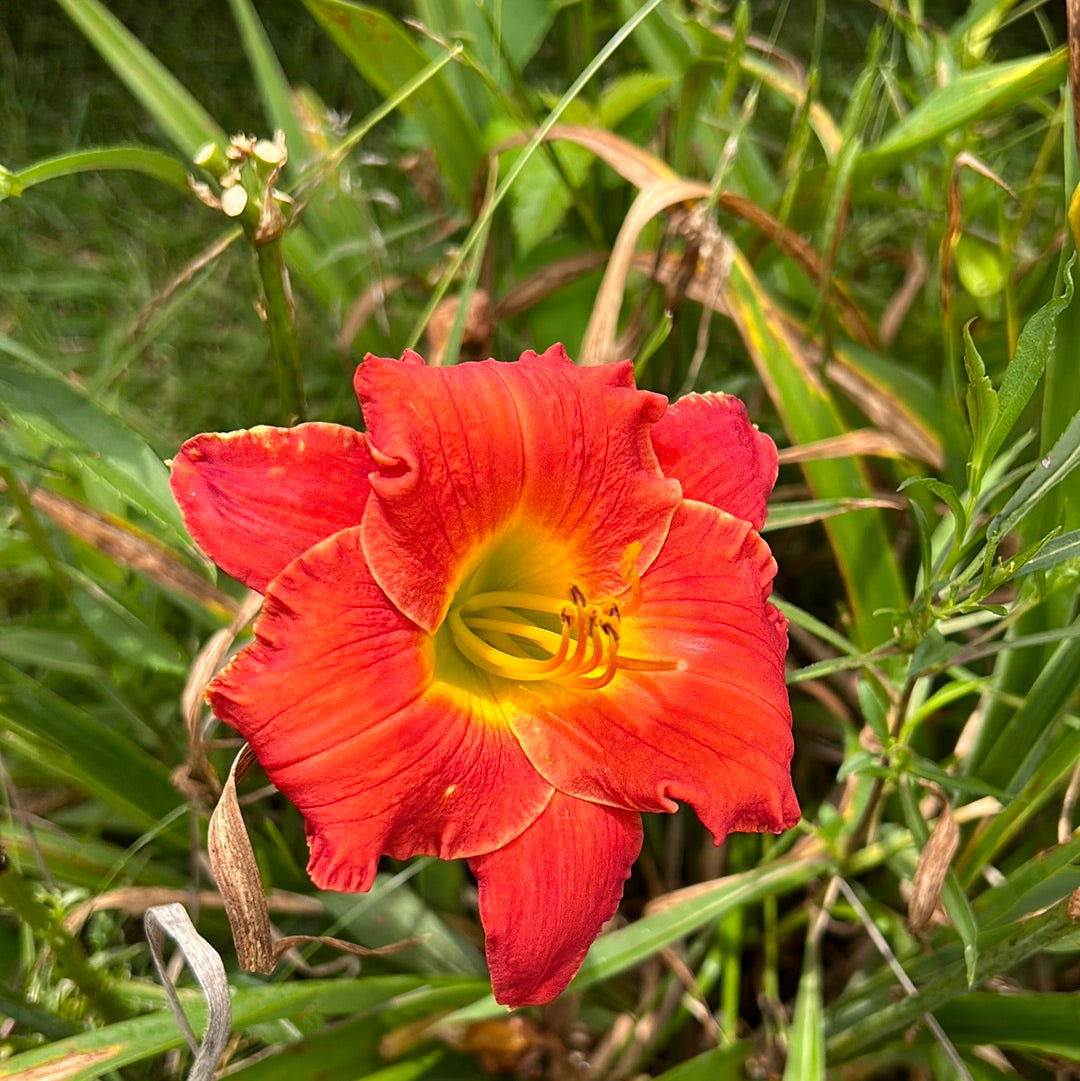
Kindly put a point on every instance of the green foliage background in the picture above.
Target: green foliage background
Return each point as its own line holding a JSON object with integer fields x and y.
{"x": 860, "y": 224}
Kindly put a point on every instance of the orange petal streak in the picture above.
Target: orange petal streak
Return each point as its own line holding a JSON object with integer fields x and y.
{"x": 254, "y": 500}
{"x": 336, "y": 698}
{"x": 544, "y": 897}
{"x": 560, "y": 452}
{"x": 707, "y": 443}
{"x": 715, "y": 732}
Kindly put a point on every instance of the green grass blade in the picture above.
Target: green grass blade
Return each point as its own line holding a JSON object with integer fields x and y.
{"x": 1034, "y": 349}
{"x": 163, "y": 96}
{"x": 385, "y": 56}
{"x": 92, "y": 1054}
{"x": 971, "y": 96}
{"x": 629, "y": 946}
{"x": 860, "y": 541}
{"x": 806, "y": 1041}
{"x": 1050, "y": 471}
{"x": 947, "y": 980}
{"x": 100, "y": 443}
{"x": 1045, "y": 1023}
{"x": 75, "y": 746}
{"x": 273, "y": 86}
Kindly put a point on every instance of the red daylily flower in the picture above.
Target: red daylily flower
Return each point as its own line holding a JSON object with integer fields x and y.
{"x": 527, "y": 605}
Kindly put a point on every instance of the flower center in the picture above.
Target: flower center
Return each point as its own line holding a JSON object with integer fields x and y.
{"x": 531, "y": 637}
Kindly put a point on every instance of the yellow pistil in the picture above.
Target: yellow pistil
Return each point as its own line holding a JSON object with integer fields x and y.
{"x": 513, "y": 634}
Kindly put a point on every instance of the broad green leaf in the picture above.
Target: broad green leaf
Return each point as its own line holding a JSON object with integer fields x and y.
{"x": 628, "y": 93}
{"x": 163, "y": 96}
{"x": 518, "y": 28}
{"x": 872, "y": 706}
{"x": 979, "y": 268}
{"x": 385, "y": 56}
{"x": 971, "y": 96}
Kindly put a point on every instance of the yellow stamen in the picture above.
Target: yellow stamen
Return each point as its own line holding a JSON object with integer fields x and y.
{"x": 530, "y": 637}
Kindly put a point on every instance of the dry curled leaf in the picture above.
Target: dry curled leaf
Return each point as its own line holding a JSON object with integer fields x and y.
{"x": 933, "y": 865}
{"x": 205, "y": 963}
{"x": 237, "y": 876}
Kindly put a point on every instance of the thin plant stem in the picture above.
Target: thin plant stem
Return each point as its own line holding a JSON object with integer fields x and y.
{"x": 278, "y": 311}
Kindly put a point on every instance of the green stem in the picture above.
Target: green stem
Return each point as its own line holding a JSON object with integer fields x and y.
{"x": 281, "y": 327}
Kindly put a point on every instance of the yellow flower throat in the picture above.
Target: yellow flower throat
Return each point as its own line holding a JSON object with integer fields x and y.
{"x": 530, "y": 637}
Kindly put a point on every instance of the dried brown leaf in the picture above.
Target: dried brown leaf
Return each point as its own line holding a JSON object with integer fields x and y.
{"x": 889, "y": 413}
{"x": 859, "y": 443}
{"x": 128, "y": 546}
{"x": 74, "y": 1064}
{"x": 477, "y": 332}
{"x": 237, "y": 875}
{"x": 206, "y": 965}
{"x": 547, "y": 280}
{"x": 135, "y": 900}
{"x": 598, "y": 346}
{"x": 934, "y": 862}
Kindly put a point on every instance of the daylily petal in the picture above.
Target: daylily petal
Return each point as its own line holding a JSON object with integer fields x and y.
{"x": 254, "y": 500}
{"x": 545, "y": 895}
{"x": 542, "y": 452}
{"x": 715, "y": 732}
{"x": 336, "y": 698}
{"x": 707, "y": 443}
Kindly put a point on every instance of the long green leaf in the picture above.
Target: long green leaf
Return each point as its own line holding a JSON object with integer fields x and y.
{"x": 806, "y": 1043}
{"x": 385, "y": 56}
{"x": 1046, "y": 1023}
{"x": 163, "y": 96}
{"x": 1033, "y": 351}
{"x": 971, "y": 96}
{"x": 92, "y": 1054}
{"x": 99, "y": 442}
{"x": 860, "y": 541}
{"x": 77, "y": 747}
{"x": 940, "y": 979}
